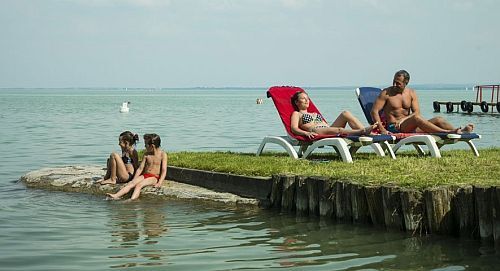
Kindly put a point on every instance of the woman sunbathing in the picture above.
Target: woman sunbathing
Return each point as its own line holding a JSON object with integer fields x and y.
{"x": 312, "y": 124}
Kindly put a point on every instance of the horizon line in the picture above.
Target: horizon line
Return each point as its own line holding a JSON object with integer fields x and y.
{"x": 425, "y": 85}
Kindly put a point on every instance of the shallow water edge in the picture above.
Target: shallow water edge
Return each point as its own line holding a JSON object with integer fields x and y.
{"x": 468, "y": 211}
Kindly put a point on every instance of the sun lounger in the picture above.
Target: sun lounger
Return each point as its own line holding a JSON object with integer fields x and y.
{"x": 434, "y": 142}
{"x": 344, "y": 145}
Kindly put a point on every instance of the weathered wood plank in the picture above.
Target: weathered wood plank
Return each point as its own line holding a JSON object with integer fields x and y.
{"x": 288, "y": 194}
{"x": 438, "y": 209}
{"x": 464, "y": 210}
{"x": 301, "y": 196}
{"x": 375, "y": 206}
{"x": 412, "y": 209}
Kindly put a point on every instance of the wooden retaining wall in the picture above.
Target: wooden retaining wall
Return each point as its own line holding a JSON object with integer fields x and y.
{"x": 472, "y": 212}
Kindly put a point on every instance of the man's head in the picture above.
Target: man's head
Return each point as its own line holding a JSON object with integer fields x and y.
{"x": 401, "y": 79}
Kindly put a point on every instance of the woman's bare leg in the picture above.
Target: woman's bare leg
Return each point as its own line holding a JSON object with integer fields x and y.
{"x": 338, "y": 130}
{"x": 146, "y": 182}
{"x": 118, "y": 170}
{"x": 345, "y": 118}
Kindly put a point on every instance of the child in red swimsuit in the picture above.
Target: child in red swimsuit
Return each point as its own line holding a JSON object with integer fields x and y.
{"x": 151, "y": 172}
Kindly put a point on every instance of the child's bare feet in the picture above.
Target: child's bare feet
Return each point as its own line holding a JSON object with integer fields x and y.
{"x": 108, "y": 181}
{"x": 111, "y": 196}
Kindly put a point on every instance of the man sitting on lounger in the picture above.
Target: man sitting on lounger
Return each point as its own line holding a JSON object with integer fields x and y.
{"x": 402, "y": 113}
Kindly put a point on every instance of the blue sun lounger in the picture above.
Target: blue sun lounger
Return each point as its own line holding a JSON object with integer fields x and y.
{"x": 434, "y": 142}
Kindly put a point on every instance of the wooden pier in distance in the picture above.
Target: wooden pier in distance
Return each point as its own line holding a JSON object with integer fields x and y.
{"x": 468, "y": 106}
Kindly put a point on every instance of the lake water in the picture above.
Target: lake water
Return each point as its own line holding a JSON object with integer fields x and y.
{"x": 44, "y": 230}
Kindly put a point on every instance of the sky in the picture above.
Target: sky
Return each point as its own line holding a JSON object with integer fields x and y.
{"x": 243, "y": 43}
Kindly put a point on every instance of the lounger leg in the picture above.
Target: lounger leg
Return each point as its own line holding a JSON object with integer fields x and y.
{"x": 339, "y": 145}
{"x": 302, "y": 149}
{"x": 280, "y": 141}
{"x": 473, "y": 147}
{"x": 353, "y": 150}
{"x": 428, "y": 140}
{"x": 378, "y": 149}
{"x": 419, "y": 149}
{"x": 389, "y": 150}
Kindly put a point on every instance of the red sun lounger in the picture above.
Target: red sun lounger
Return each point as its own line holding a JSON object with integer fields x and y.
{"x": 344, "y": 145}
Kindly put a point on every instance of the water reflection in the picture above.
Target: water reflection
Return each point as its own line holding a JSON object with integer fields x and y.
{"x": 217, "y": 237}
{"x": 286, "y": 241}
{"x": 137, "y": 225}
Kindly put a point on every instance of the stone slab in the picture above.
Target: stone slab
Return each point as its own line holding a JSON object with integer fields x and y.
{"x": 84, "y": 179}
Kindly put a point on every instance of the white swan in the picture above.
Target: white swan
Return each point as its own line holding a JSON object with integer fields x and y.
{"x": 124, "y": 108}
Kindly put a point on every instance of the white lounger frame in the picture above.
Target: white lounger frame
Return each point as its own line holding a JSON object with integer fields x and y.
{"x": 344, "y": 147}
{"x": 433, "y": 142}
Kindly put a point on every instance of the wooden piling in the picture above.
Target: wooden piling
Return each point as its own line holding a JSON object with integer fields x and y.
{"x": 360, "y": 211}
{"x": 464, "y": 211}
{"x": 276, "y": 191}
{"x": 343, "y": 206}
{"x": 375, "y": 206}
{"x": 391, "y": 199}
{"x": 313, "y": 194}
{"x": 496, "y": 216}
{"x": 438, "y": 209}
{"x": 326, "y": 197}
{"x": 288, "y": 194}
{"x": 413, "y": 212}
{"x": 483, "y": 196}
{"x": 301, "y": 196}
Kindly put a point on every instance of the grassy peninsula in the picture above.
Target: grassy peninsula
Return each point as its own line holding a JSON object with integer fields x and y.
{"x": 455, "y": 167}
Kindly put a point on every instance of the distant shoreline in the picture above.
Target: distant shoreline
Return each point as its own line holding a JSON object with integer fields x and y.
{"x": 416, "y": 86}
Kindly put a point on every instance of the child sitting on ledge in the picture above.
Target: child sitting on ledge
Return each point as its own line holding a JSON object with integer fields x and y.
{"x": 152, "y": 171}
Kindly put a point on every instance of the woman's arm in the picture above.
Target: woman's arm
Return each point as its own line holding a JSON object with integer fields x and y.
{"x": 294, "y": 126}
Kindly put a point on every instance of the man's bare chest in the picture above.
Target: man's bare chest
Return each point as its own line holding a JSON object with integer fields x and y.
{"x": 399, "y": 102}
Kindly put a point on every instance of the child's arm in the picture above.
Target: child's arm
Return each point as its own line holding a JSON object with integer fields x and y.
{"x": 163, "y": 170}
{"x": 139, "y": 170}
{"x": 135, "y": 159}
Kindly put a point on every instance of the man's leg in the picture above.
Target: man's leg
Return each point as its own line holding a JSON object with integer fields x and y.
{"x": 442, "y": 123}
{"x": 417, "y": 123}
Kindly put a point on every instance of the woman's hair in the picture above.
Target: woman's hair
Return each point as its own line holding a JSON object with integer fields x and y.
{"x": 129, "y": 137}
{"x": 295, "y": 97}
{"x": 152, "y": 139}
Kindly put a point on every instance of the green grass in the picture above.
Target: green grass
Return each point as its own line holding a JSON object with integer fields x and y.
{"x": 457, "y": 167}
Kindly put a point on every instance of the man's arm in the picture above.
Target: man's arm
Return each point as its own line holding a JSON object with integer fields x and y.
{"x": 377, "y": 106}
{"x": 415, "y": 107}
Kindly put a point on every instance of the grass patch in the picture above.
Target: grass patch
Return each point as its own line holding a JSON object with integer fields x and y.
{"x": 456, "y": 167}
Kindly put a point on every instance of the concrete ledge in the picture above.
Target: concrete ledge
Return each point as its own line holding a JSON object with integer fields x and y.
{"x": 83, "y": 179}
{"x": 244, "y": 186}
